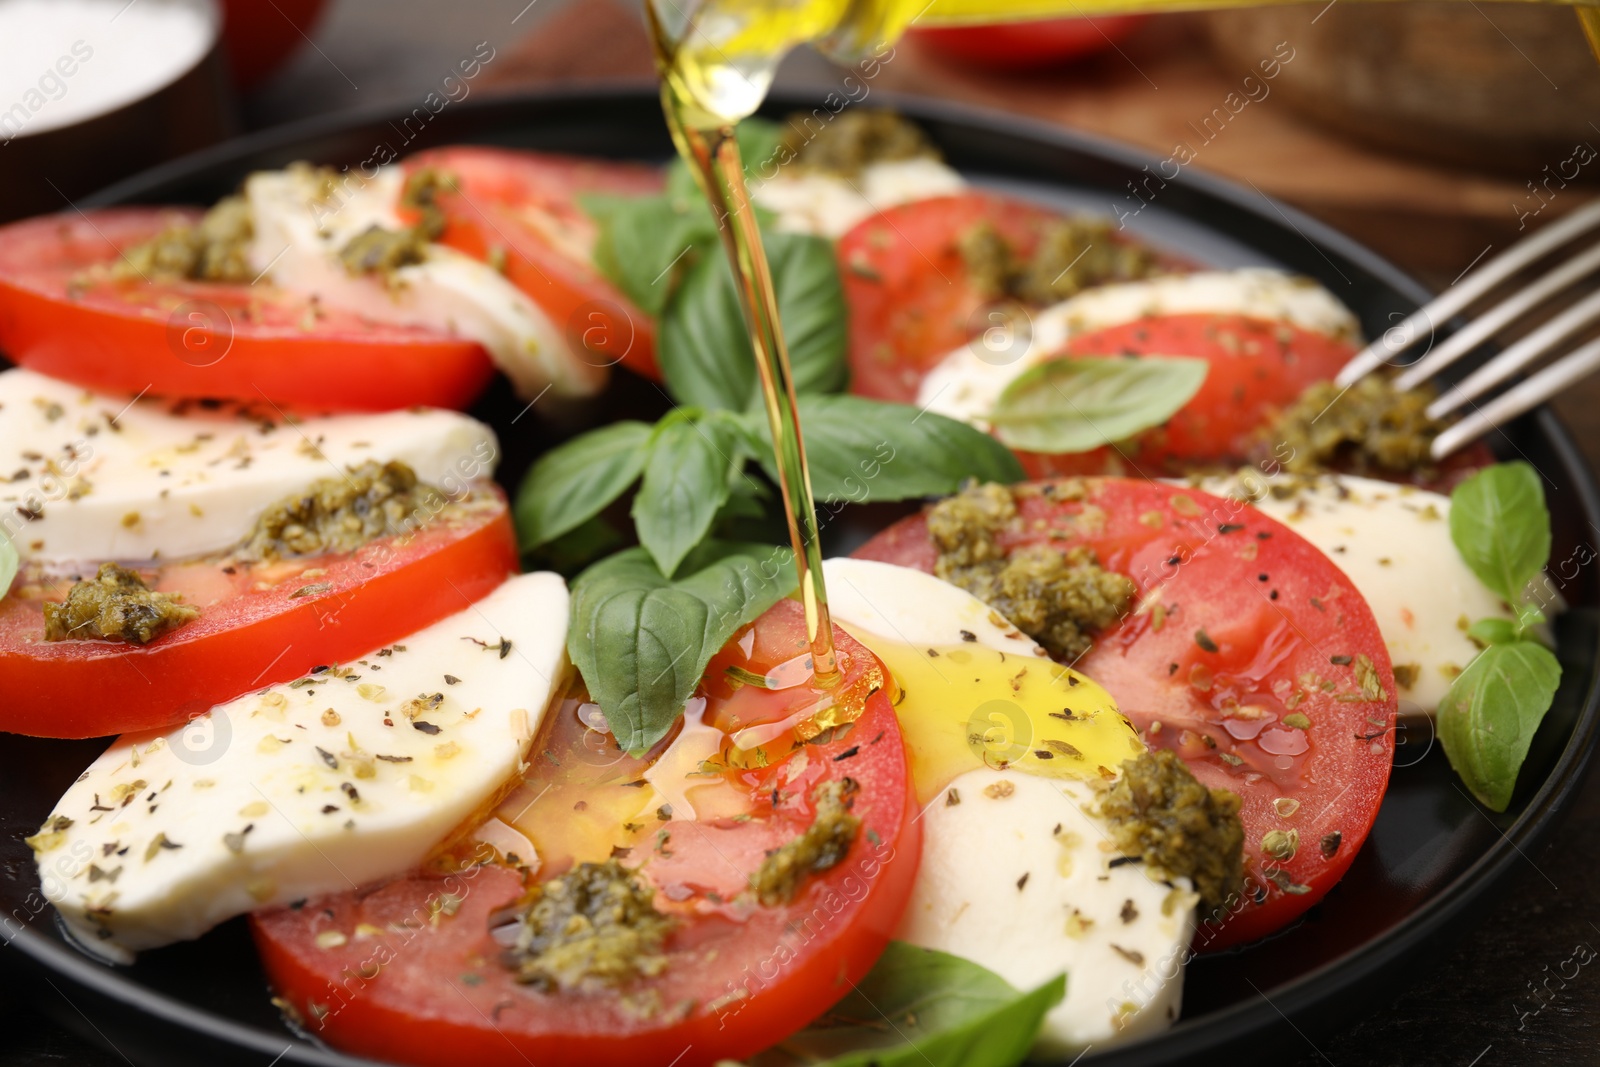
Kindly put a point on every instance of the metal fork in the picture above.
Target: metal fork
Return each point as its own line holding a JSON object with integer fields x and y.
{"x": 1577, "y": 364}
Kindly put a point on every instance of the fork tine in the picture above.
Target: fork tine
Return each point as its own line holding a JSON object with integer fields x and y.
{"x": 1574, "y": 366}
{"x": 1496, "y": 318}
{"x": 1397, "y": 339}
{"x": 1519, "y": 355}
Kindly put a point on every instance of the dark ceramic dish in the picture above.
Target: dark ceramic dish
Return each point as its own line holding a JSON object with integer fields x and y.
{"x": 1434, "y": 857}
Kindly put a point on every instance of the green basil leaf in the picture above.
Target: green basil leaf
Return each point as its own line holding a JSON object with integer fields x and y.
{"x": 572, "y": 484}
{"x": 704, "y": 349}
{"x": 922, "y": 1008}
{"x": 861, "y": 450}
{"x": 9, "y": 564}
{"x": 685, "y": 483}
{"x": 641, "y": 640}
{"x": 1501, "y": 527}
{"x": 646, "y": 244}
{"x": 1074, "y": 405}
{"x": 1488, "y": 717}
{"x": 1494, "y": 631}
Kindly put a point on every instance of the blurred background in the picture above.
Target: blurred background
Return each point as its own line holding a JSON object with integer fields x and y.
{"x": 1429, "y": 130}
{"x": 1436, "y": 133}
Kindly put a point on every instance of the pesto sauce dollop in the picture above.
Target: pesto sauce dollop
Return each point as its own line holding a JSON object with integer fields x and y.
{"x": 213, "y": 249}
{"x": 823, "y": 846}
{"x": 1369, "y": 427}
{"x": 1160, "y": 813}
{"x": 595, "y": 925}
{"x": 381, "y": 251}
{"x": 854, "y": 140}
{"x": 1059, "y": 598}
{"x": 340, "y": 514}
{"x": 115, "y": 605}
{"x": 1072, "y": 254}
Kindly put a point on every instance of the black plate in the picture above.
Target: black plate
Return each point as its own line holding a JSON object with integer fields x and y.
{"x": 1433, "y": 857}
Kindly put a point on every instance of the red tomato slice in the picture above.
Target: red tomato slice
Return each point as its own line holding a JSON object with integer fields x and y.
{"x": 907, "y": 286}
{"x": 523, "y": 207}
{"x": 1257, "y": 368}
{"x": 739, "y": 975}
{"x": 1252, "y": 667}
{"x": 207, "y": 339}
{"x": 258, "y": 625}
{"x": 1017, "y": 45}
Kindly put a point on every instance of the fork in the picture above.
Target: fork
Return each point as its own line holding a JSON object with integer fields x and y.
{"x": 1575, "y": 365}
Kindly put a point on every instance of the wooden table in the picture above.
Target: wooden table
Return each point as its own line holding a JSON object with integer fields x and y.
{"x": 1476, "y": 1008}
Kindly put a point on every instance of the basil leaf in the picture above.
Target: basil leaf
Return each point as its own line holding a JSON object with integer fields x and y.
{"x": 645, "y": 244}
{"x": 685, "y": 483}
{"x": 922, "y": 1008}
{"x": 9, "y": 564}
{"x": 1074, "y": 405}
{"x": 861, "y": 450}
{"x": 1488, "y": 717}
{"x": 1494, "y": 631}
{"x": 572, "y": 484}
{"x": 704, "y": 349}
{"x": 641, "y": 640}
{"x": 1501, "y": 527}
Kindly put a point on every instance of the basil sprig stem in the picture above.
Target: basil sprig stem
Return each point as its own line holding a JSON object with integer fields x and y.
{"x": 1501, "y": 528}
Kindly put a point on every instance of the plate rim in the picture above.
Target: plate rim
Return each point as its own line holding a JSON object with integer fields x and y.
{"x": 1469, "y": 890}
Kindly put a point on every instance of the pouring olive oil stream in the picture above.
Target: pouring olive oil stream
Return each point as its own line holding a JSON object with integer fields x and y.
{"x": 717, "y": 59}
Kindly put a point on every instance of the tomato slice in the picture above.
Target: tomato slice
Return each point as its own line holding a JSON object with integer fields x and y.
{"x": 911, "y": 299}
{"x": 1018, "y": 45}
{"x": 739, "y": 975}
{"x": 207, "y": 339}
{"x": 258, "y": 625}
{"x": 521, "y": 208}
{"x": 1257, "y": 367}
{"x": 1251, "y": 655}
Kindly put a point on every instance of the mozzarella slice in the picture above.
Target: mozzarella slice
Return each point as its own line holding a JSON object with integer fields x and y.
{"x": 89, "y": 477}
{"x": 968, "y": 382}
{"x": 1014, "y": 877}
{"x": 1016, "y": 868}
{"x": 827, "y": 205}
{"x": 324, "y": 784}
{"x": 300, "y": 228}
{"x": 1393, "y": 543}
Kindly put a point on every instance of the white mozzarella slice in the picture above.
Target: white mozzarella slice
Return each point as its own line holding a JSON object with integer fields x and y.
{"x": 827, "y": 205}
{"x": 299, "y": 230}
{"x": 914, "y": 608}
{"x": 1014, "y": 877}
{"x": 1393, "y": 543}
{"x": 1017, "y": 877}
{"x": 316, "y": 786}
{"x": 969, "y": 381}
{"x": 89, "y": 477}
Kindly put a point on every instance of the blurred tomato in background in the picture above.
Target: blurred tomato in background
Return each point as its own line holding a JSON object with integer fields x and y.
{"x": 259, "y": 35}
{"x": 1028, "y": 45}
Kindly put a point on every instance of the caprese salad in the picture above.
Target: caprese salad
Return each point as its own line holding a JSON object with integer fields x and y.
{"x": 1124, "y": 690}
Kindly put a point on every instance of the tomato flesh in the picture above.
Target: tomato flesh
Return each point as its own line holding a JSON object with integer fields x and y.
{"x": 521, "y": 209}
{"x": 258, "y": 625}
{"x": 207, "y": 339}
{"x": 1019, "y": 45}
{"x": 908, "y": 289}
{"x": 1246, "y": 655}
{"x": 740, "y": 975}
